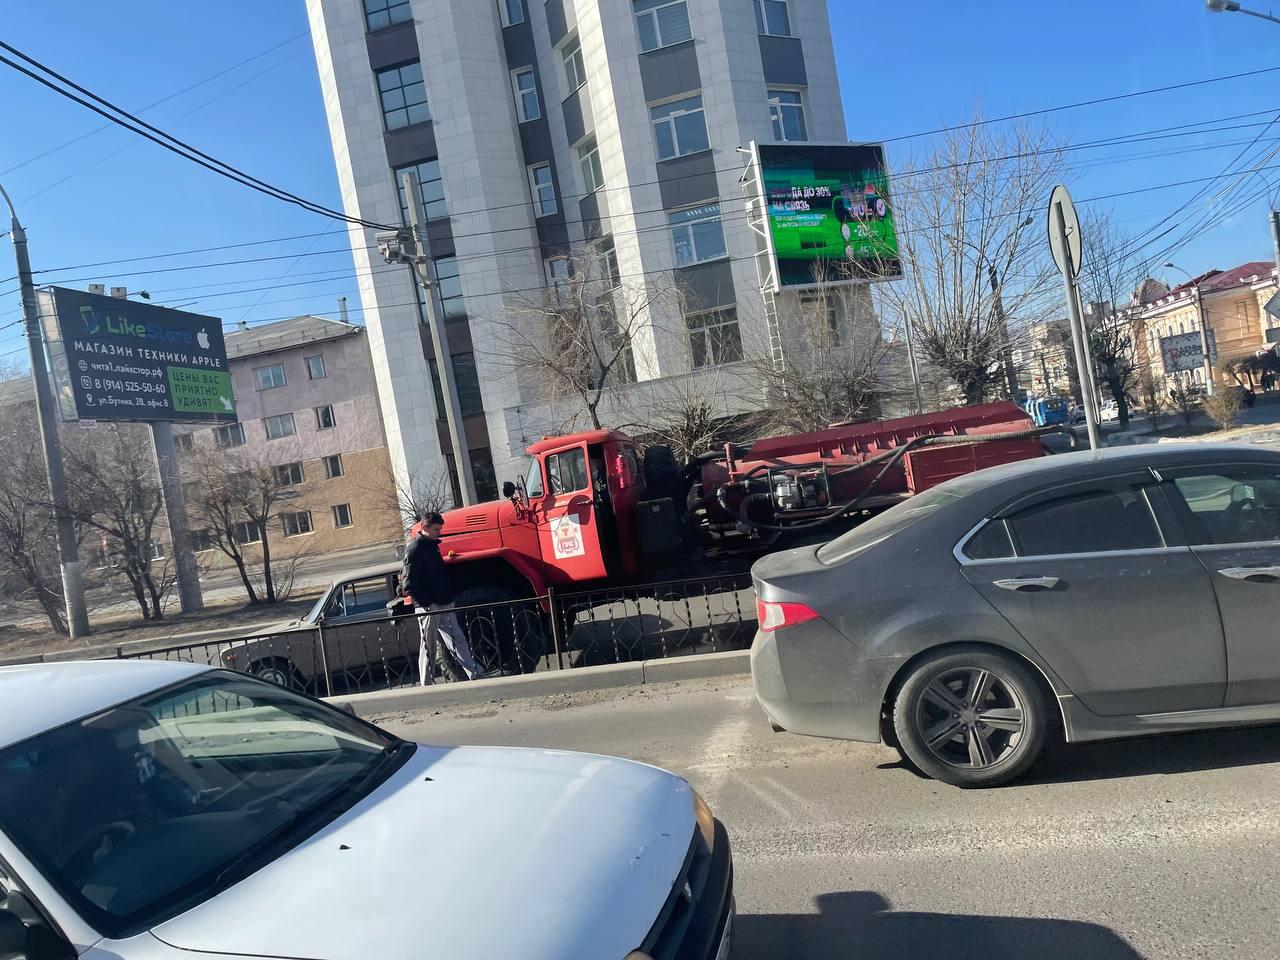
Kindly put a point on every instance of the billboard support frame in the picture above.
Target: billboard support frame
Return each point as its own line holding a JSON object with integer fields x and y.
{"x": 752, "y": 182}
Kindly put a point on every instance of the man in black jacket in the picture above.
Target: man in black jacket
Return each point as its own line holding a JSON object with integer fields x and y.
{"x": 426, "y": 581}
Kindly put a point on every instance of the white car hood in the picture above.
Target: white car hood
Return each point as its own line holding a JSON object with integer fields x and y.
{"x": 467, "y": 853}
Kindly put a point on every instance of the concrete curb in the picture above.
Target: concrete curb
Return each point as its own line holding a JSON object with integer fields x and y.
{"x": 702, "y": 666}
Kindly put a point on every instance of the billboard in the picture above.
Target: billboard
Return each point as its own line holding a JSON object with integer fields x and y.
{"x": 1181, "y": 352}
{"x": 828, "y": 214}
{"x": 121, "y": 360}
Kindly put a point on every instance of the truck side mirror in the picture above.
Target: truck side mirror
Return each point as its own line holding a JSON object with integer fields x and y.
{"x": 508, "y": 490}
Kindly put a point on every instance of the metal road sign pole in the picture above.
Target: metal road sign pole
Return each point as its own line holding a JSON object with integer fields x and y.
{"x": 46, "y": 409}
{"x": 1275, "y": 240}
{"x": 186, "y": 572}
{"x": 424, "y": 269}
{"x": 1065, "y": 249}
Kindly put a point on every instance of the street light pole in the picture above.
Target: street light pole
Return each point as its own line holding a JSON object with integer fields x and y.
{"x": 1230, "y": 6}
{"x": 46, "y": 410}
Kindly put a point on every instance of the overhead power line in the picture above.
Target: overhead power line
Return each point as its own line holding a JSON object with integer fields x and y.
{"x": 166, "y": 140}
{"x": 1096, "y": 101}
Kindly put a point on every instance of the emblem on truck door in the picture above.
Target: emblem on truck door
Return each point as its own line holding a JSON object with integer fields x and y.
{"x": 566, "y": 537}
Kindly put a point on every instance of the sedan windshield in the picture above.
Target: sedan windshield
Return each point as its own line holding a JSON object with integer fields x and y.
{"x": 141, "y": 811}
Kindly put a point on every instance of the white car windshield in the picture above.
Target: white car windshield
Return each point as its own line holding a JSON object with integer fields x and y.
{"x": 141, "y": 811}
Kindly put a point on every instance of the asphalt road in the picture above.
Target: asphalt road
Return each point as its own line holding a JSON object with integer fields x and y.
{"x": 1160, "y": 848}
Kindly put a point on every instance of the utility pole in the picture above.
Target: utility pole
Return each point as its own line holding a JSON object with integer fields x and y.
{"x": 1202, "y": 322}
{"x": 410, "y": 245}
{"x": 1275, "y": 240}
{"x": 1006, "y": 346}
{"x": 46, "y": 410}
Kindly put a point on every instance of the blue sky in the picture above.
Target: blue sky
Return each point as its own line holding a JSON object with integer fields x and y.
{"x": 904, "y": 68}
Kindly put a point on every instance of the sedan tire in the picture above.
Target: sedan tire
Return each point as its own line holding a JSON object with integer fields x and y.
{"x": 971, "y": 717}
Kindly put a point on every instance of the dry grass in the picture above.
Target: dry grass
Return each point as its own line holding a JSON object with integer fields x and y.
{"x": 17, "y": 641}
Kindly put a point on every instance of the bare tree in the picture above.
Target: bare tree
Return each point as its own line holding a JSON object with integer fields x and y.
{"x": 114, "y": 489}
{"x": 571, "y": 347}
{"x": 28, "y": 528}
{"x": 1152, "y": 397}
{"x": 977, "y": 270}
{"x": 691, "y": 413}
{"x": 421, "y": 494}
{"x": 836, "y": 364}
{"x": 1109, "y": 277}
{"x": 236, "y": 498}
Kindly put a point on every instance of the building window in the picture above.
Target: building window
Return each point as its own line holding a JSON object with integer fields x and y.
{"x": 558, "y": 276}
{"x": 575, "y": 72}
{"x": 341, "y": 515}
{"x": 662, "y": 23}
{"x": 697, "y": 234}
{"x": 296, "y": 524}
{"x": 609, "y": 263}
{"x": 280, "y": 426}
{"x": 714, "y": 337}
{"x": 589, "y": 161}
{"x": 772, "y": 19}
{"x": 325, "y": 419}
{"x": 379, "y": 14}
{"x": 465, "y": 380}
{"x": 404, "y": 95}
{"x": 269, "y": 378}
{"x": 543, "y": 189}
{"x": 315, "y": 368}
{"x": 157, "y": 549}
{"x": 246, "y": 532}
{"x": 525, "y": 87}
{"x": 333, "y": 466}
{"x": 512, "y": 12}
{"x": 183, "y": 442}
{"x": 431, "y": 203}
{"x": 786, "y": 112}
{"x": 482, "y": 472}
{"x": 449, "y": 283}
{"x": 232, "y": 435}
{"x": 289, "y": 474}
{"x": 200, "y": 540}
{"x": 679, "y": 127}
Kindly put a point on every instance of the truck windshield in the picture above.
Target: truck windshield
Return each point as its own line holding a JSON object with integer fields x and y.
{"x": 142, "y": 811}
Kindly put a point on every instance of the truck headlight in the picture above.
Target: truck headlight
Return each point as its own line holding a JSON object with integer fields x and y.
{"x": 706, "y": 820}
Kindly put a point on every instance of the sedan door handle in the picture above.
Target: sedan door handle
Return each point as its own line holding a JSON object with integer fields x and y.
{"x": 1249, "y": 573}
{"x": 1027, "y": 583}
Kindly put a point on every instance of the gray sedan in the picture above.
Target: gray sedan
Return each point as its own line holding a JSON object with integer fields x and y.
{"x": 1087, "y": 596}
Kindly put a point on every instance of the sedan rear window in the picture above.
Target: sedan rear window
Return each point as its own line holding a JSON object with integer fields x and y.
{"x": 894, "y": 520}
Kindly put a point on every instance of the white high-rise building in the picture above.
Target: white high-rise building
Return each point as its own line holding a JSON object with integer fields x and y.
{"x": 534, "y": 126}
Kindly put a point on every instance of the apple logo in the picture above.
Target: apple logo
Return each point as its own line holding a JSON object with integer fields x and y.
{"x": 202, "y": 338}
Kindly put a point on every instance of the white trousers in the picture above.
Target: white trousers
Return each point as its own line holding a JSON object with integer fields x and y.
{"x": 440, "y": 620}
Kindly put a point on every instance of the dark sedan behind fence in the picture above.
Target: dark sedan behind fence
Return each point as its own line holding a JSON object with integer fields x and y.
{"x": 556, "y": 631}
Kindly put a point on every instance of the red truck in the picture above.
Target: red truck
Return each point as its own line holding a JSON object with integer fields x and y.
{"x": 592, "y": 510}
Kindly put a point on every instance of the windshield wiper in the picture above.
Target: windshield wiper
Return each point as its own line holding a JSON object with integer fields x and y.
{"x": 255, "y": 851}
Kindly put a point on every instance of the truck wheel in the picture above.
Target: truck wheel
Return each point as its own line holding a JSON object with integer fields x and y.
{"x": 971, "y": 717}
{"x": 507, "y": 635}
{"x": 279, "y": 671}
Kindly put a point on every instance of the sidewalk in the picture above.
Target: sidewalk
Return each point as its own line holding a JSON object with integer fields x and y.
{"x": 635, "y": 674}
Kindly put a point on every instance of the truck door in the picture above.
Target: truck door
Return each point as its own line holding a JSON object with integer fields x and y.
{"x": 568, "y": 531}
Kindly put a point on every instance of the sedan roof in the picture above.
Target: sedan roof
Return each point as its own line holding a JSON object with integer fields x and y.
{"x": 1086, "y": 463}
{"x": 40, "y": 696}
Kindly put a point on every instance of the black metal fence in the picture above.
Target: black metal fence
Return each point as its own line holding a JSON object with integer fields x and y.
{"x": 558, "y": 631}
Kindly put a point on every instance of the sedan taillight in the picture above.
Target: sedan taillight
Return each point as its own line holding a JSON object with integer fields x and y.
{"x": 775, "y": 615}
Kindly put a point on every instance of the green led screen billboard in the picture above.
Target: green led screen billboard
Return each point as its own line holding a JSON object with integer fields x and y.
{"x": 828, "y": 213}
